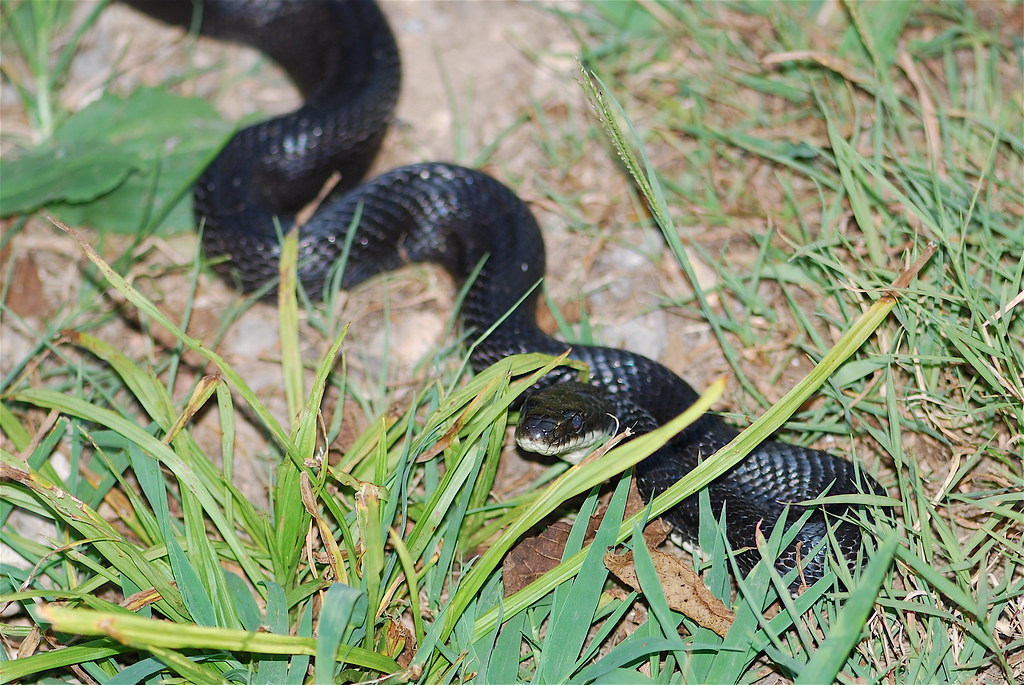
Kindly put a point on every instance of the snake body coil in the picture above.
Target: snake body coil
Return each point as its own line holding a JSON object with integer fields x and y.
{"x": 343, "y": 58}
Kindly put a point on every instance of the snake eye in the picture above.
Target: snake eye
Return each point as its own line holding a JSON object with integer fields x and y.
{"x": 577, "y": 421}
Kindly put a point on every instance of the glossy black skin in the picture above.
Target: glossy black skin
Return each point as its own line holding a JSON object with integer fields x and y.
{"x": 343, "y": 57}
{"x": 754, "y": 494}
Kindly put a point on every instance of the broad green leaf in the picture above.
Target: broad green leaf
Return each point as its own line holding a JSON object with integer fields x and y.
{"x": 119, "y": 164}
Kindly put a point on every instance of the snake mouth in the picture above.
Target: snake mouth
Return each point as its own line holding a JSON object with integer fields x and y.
{"x": 572, "y": 452}
{"x": 566, "y": 420}
{"x": 540, "y": 435}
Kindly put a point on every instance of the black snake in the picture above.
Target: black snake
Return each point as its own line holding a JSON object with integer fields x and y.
{"x": 343, "y": 57}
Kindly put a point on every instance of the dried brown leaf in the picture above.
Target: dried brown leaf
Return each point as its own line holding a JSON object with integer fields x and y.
{"x": 683, "y": 588}
{"x": 535, "y": 556}
{"x": 25, "y": 296}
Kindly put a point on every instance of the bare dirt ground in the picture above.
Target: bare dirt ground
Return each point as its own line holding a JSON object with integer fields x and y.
{"x": 474, "y": 73}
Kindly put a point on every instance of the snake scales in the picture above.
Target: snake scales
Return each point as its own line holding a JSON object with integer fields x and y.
{"x": 343, "y": 58}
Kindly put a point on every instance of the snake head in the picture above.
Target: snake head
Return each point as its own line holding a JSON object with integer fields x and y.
{"x": 565, "y": 420}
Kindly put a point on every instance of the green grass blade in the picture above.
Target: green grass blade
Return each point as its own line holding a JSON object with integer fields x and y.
{"x": 154, "y": 634}
{"x": 830, "y": 655}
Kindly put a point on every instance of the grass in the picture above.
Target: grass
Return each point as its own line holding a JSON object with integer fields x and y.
{"x": 855, "y": 173}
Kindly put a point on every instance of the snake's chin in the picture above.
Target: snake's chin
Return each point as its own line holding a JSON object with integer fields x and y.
{"x": 573, "y": 456}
